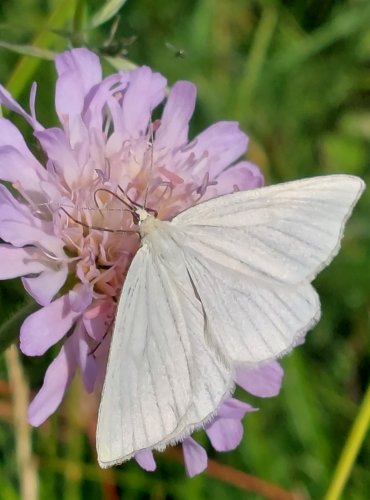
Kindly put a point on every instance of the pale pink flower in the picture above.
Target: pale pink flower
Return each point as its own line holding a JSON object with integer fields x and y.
{"x": 225, "y": 432}
{"x": 52, "y": 230}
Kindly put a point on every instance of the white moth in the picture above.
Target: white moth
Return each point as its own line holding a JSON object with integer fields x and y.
{"x": 225, "y": 283}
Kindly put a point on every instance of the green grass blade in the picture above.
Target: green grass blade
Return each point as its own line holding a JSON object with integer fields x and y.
{"x": 350, "y": 450}
{"x": 28, "y": 50}
{"x": 108, "y": 11}
{"x": 45, "y": 39}
{"x": 9, "y": 330}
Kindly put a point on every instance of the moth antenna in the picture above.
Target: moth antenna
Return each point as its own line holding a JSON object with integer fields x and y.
{"x": 97, "y": 206}
{"x": 97, "y": 227}
{"x": 137, "y": 205}
{"x": 115, "y": 195}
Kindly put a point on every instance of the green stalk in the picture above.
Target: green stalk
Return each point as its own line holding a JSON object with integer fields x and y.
{"x": 45, "y": 39}
{"x": 9, "y": 330}
{"x": 350, "y": 450}
{"x": 255, "y": 61}
{"x": 78, "y": 24}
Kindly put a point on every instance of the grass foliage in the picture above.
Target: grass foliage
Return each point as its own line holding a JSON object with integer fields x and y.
{"x": 297, "y": 77}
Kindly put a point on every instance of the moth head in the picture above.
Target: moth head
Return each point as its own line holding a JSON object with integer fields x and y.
{"x": 141, "y": 214}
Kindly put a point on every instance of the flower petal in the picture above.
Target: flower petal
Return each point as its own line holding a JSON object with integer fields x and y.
{"x": 57, "y": 380}
{"x": 146, "y": 460}
{"x": 78, "y": 71}
{"x": 264, "y": 381}
{"x": 32, "y": 101}
{"x": 86, "y": 361}
{"x": 239, "y": 177}
{"x": 145, "y": 91}
{"x": 58, "y": 149}
{"x": 19, "y": 234}
{"x": 19, "y": 227}
{"x": 47, "y": 326}
{"x": 174, "y": 127}
{"x": 43, "y": 288}
{"x": 10, "y": 136}
{"x": 233, "y": 408}
{"x": 98, "y": 318}
{"x": 69, "y": 97}
{"x": 195, "y": 457}
{"x": 93, "y": 114}
{"x": 83, "y": 63}
{"x": 21, "y": 168}
{"x": 80, "y": 297}
{"x": 7, "y": 100}
{"x": 223, "y": 142}
{"x": 16, "y": 262}
{"x": 225, "y": 434}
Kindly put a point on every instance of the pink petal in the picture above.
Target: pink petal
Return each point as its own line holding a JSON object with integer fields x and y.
{"x": 93, "y": 115}
{"x": 32, "y": 101}
{"x": 20, "y": 234}
{"x": 85, "y": 358}
{"x": 19, "y": 227}
{"x": 47, "y": 326}
{"x": 225, "y": 434}
{"x": 264, "y": 381}
{"x": 79, "y": 138}
{"x": 79, "y": 70}
{"x": 80, "y": 297}
{"x": 239, "y": 177}
{"x": 69, "y": 96}
{"x": 57, "y": 380}
{"x": 223, "y": 142}
{"x": 145, "y": 91}
{"x": 233, "y": 408}
{"x": 16, "y": 262}
{"x": 146, "y": 460}
{"x": 89, "y": 370}
{"x": 179, "y": 108}
{"x": 195, "y": 457}
{"x": 12, "y": 209}
{"x": 22, "y": 168}
{"x": 98, "y": 318}
{"x": 52, "y": 192}
{"x": 101, "y": 357}
{"x": 43, "y": 288}
{"x": 58, "y": 149}
{"x": 9, "y": 102}
{"x": 59, "y": 376}
{"x": 83, "y": 63}
{"x": 11, "y": 136}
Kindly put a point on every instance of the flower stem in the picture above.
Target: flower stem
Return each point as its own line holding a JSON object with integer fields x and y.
{"x": 350, "y": 450}
{"x": 26, "y": 462}
{"x": 241, "y": 479}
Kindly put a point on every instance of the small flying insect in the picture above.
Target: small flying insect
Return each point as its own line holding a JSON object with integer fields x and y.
{"x": 180, "y": 53}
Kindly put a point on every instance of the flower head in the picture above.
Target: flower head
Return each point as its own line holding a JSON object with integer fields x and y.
{"x": 67, "y": 232}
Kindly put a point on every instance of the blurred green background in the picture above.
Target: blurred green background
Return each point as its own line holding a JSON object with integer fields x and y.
{"x": 297, "y": 76}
